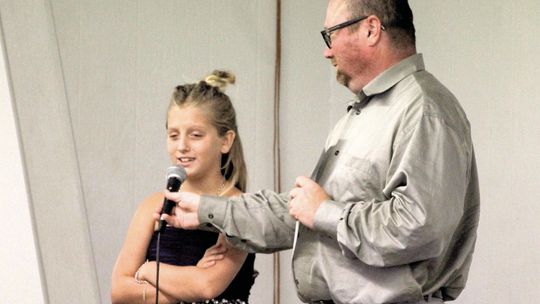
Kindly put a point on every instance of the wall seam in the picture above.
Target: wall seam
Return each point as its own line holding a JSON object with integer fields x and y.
{"x": 76, "y": 154}
{"x": 277, "y": 148}
{"x": 39, "y": 256}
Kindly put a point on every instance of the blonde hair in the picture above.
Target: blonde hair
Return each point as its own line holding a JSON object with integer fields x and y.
{"x": 210, "y": 95}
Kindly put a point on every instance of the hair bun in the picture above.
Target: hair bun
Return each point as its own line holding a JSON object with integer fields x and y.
{"x": 220, "y": 79}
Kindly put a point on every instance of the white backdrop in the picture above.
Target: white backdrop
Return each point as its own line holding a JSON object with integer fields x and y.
{"x": 18, "y": 225}
{"x": 120, "y": 60}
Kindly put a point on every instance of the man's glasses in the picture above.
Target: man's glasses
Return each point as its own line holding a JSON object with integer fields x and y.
{"x": 327, "y": 32}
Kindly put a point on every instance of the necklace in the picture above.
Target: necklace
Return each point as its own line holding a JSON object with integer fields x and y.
{"x": 219, "y": 191}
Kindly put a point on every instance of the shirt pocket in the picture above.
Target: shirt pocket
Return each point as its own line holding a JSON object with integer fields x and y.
{"x": 362, "y": 178}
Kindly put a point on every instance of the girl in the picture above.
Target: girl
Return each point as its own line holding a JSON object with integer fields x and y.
{"x": 202, "y": 137}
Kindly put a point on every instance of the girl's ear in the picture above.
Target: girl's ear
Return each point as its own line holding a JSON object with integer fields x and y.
{"x": 228, "y": 141}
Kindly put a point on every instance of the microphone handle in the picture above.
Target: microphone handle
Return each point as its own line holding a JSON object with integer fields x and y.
{"x": 168, "y": 205}
{"x": 173, "y": 185}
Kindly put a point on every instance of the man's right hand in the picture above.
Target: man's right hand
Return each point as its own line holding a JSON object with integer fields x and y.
{"x": 185, "y": 213}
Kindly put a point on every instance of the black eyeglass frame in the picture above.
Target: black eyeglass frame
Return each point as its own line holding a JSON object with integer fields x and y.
{"x": 327, "y": 32}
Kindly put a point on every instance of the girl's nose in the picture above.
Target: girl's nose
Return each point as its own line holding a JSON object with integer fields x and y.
{"x": 183, "y": 144}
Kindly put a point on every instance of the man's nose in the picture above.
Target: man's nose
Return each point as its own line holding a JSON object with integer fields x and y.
{"x": 327, "y": 53}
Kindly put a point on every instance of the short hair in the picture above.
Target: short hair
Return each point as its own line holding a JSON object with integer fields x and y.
{"x": 395, "y": 15}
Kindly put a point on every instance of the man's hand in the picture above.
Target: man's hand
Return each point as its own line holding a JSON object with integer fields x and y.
{"x": 185, "y": 213}
{"x": 306, "y": 198}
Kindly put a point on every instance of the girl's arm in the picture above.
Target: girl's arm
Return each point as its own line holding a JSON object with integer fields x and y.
{"x": 125, "y": 288}
{"x": 193, "y": 283}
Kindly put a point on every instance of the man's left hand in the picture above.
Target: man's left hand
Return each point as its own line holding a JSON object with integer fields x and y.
{"x": 306, "y": 197}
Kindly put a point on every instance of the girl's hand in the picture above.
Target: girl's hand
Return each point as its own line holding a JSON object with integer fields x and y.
{"x": 142, "y": 273}
{"x": 212, "y": 255}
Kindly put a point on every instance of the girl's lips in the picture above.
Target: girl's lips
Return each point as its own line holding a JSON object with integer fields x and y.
{"x": 185, "y": 160}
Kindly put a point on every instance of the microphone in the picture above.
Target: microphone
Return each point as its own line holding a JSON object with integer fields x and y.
{"x": 176, "y": 175}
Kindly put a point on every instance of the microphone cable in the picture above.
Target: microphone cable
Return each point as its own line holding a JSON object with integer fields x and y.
{"x": 176, "y": 175}
{"x": 157, "y": 265}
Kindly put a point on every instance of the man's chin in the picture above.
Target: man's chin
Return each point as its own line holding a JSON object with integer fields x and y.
{"x": 342, "y": 79}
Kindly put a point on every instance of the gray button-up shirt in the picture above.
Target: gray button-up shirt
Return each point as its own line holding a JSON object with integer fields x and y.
{"x": 401, "y": 223}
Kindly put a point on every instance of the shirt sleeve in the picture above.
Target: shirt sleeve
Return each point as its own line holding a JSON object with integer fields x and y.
{"x": 258, "y": 222}
{"x": 426, "y": 185}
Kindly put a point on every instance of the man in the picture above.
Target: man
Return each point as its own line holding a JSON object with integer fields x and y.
{"x": 391, "y": 211}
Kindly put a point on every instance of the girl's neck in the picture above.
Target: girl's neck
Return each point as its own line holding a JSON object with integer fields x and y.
{"x": 209, "y": 186}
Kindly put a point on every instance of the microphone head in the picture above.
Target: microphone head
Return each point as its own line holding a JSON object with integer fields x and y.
{"x": 176, "y": 175}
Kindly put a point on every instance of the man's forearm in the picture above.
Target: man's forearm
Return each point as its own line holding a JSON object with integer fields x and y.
{"x": 258, "y": 222}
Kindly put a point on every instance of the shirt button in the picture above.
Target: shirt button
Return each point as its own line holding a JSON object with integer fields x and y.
{"x": 209, "y": 225}
{"x": 210, "y": 216}
{"x": 296, "y": 281}
{"x": 336, "y": 153}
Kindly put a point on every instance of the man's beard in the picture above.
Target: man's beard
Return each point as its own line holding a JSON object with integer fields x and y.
{"x": 342, "y": 78}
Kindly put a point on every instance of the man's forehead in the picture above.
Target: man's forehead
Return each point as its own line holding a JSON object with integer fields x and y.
{"x": 338, "y": 10}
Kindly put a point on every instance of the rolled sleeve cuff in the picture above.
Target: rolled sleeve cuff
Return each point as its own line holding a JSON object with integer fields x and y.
{"x": 212, "y": 210}
{"x": 328, "y": 217}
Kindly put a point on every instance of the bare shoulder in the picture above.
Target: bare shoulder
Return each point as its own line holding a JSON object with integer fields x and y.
{"x": 233, "y": 192}
{"x": 143, "y": 217}
{"x": 151, "y": 202}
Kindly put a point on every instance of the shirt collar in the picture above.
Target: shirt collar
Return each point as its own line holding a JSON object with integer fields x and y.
{"x": 393, "y": 75}
{"x": 359, "y": 104}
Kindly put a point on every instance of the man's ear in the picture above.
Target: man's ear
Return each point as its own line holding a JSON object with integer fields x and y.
{"x": 374, "y": 28}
